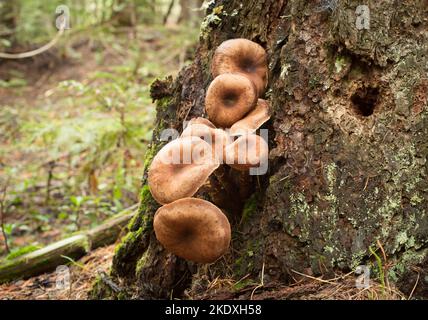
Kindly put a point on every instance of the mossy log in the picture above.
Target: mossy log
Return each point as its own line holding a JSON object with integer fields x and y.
{"x": 348, "y": 171}
{"x": 58, "y": 253}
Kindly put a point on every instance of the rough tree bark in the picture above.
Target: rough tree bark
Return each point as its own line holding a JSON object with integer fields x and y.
{"x": 348, "y": 139}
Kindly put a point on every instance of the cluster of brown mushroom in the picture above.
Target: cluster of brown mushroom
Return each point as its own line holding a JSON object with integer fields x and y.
{"x": 192, "y": 228}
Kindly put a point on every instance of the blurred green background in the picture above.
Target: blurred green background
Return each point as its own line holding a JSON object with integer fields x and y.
{"x": 75, "y": 120}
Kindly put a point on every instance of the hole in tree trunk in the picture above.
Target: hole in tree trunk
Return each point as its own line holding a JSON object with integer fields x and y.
{"x": 364, "y": 101}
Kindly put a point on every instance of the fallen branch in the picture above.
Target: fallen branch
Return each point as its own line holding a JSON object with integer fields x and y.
{"x": 75, "y": 247}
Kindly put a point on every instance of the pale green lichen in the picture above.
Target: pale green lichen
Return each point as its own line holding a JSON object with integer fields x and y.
{"x": 284, "y": 70}
{"x": 340, "y": 63}
{"x": 409, "y": 258}
{"x": 214, "y": 18}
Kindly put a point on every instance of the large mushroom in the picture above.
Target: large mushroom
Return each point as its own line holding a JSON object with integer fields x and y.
{"x": 242, "y": 56}
{"x": 229, "y": 98}
{"x": 246, "y": 152}
{"x": 180, "y": 168}
{"x": 252, "y": 121}
{"x": 193, "y": 229}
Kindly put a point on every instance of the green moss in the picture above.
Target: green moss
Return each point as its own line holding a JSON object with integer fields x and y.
{"x": 238, "y": 286}
{"x": 163, "y": 104}
{"x": 21, "y": 251}
{"x": 245, "y": 263}
{"x": 130, "y": 238}
{"x": 142, "y": 261}
{"x": 250, "y": 207}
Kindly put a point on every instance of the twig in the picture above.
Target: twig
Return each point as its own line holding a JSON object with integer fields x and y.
{"x": 40, "y": 50}
{"x": 168, "y": 13}
{"x": 313, "y": 278}
{"x": 261, "y": 285}
{"x": 414, "y": 287}
{"x": 107, "y": 280}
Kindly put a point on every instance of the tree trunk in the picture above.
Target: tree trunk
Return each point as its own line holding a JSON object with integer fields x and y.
{"x": 348, "y": 147}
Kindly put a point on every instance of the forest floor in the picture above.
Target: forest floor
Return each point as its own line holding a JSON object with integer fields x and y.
{"x": 74, "y": 125}
{"x": 85, "y": 271}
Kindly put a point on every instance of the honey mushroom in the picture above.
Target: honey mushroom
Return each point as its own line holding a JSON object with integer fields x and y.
{"x": 229, "y": 98}
{"x": 200, "y": 120}
{"x": 217, "y": 138}
{"x": 252, "y": 121}
{"x": 248, "y": 151}
{"x": 242, "y": 56}
{"x": 180, "y": 168}
{"x": 193, "y": 229}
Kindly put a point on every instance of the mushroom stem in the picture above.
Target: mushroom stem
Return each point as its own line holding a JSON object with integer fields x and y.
{"x": 226, "y": 191}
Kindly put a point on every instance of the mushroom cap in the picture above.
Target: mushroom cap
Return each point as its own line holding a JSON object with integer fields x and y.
{"x": 242, "y": 56}
{"x": 217, "y": 138}
{"x": 252, "y": 121}
{"x": 248, "y": 151}
{"x": 229, "y": 98}
{"x": 180, "y": 168}
{"x": 193, "y": 229}
{"x": 200, "y": 120}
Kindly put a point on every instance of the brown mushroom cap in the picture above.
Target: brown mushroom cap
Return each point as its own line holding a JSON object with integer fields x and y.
{"x": 193, "y": 229}
{"x": 200, "y": 120}
{"x": 180, "y": 168}
{"x": 248, "y": 151}
{"x": 252, "y": 121}
{"x": 242, "y": 56}
{"x": 229, "y": 98}
{"x": 217, "y": 138}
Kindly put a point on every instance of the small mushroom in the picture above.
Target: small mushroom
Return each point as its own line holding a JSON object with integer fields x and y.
{"x": 248, "y": 151}
{"x": 217, "y": 138}
{"x": 252, "y": 121}
{"x": 242, "y": 56}
{"x": 180, "y": 168}
{"x": 229, "y": 98}
{"x": 193, "y": 229}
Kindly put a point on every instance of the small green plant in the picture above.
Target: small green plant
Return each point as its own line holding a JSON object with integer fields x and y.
{"x": 379, "y": 267}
